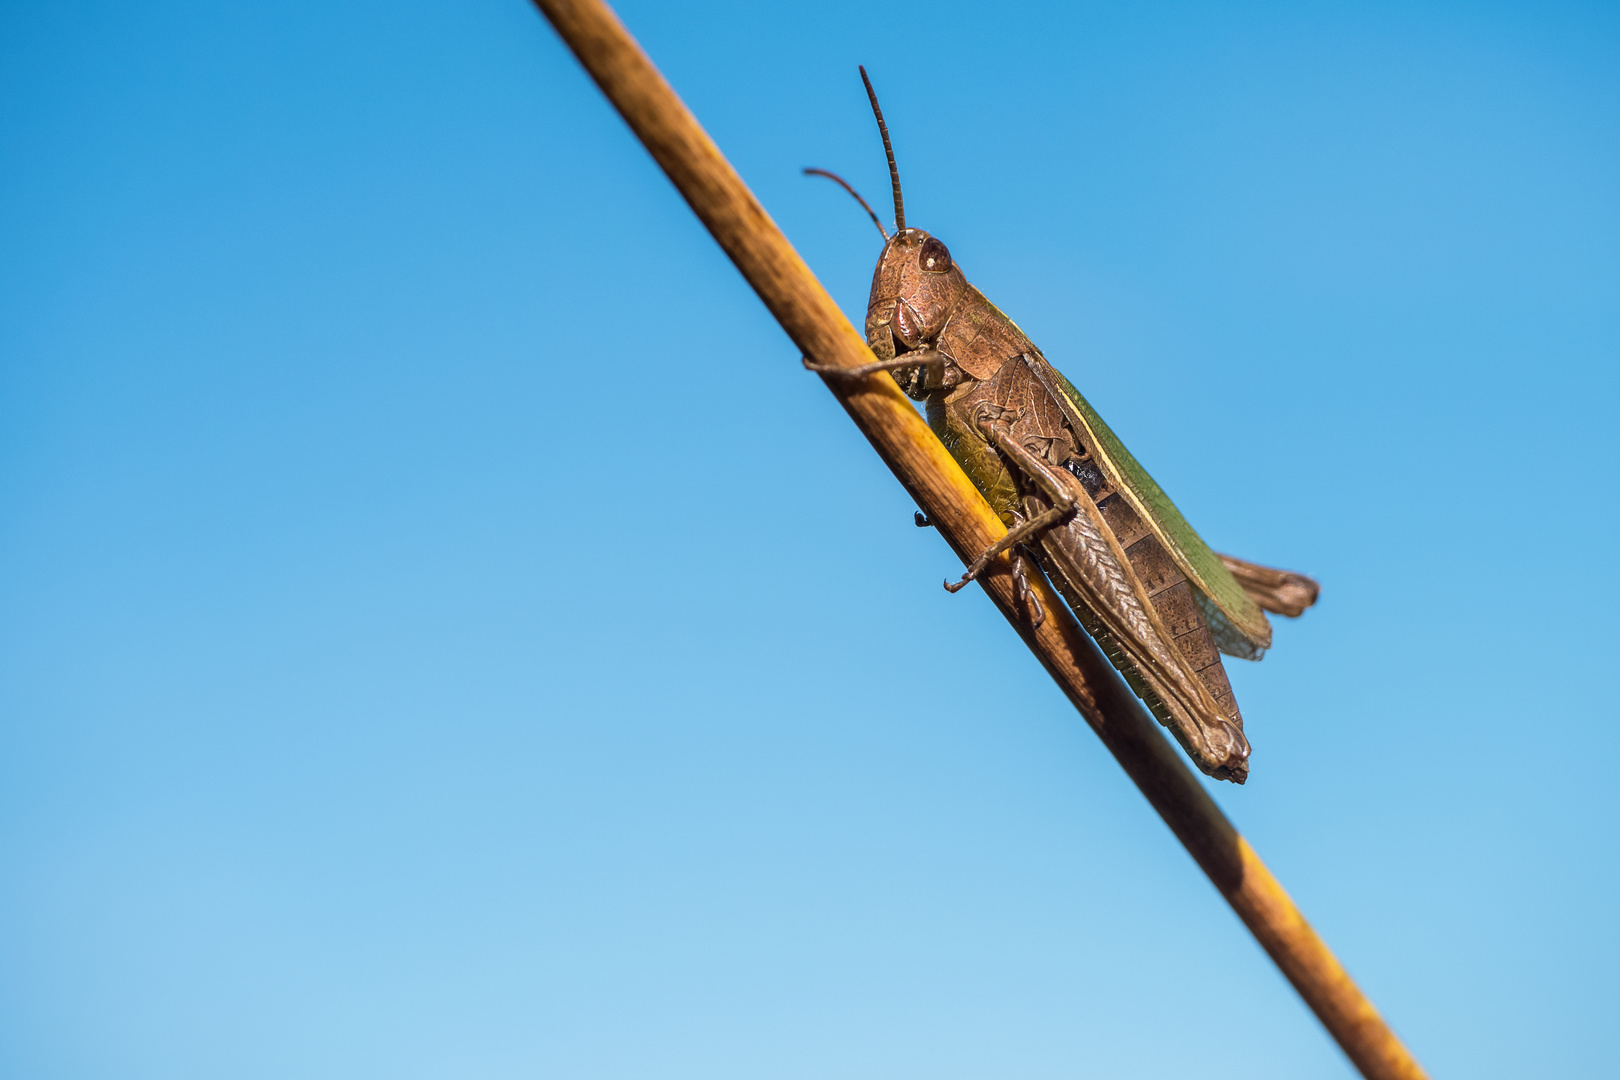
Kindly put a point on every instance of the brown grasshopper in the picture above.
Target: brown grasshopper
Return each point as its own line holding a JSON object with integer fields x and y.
{"x": 1159, "y": 602}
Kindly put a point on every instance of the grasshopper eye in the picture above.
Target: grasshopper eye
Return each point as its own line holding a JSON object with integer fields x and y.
{"x": 934, "y": 257}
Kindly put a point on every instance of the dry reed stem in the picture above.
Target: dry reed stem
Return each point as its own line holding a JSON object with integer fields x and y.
{"x": 890, "y": 422}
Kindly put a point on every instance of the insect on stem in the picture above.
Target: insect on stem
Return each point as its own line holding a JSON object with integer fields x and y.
{"x": 807, "y": 313}
{"x": 894, "y": 173}
{"x": 841, "y": 182}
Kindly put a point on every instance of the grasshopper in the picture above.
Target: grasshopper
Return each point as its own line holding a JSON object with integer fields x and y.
{"x": 1159, "y": 602}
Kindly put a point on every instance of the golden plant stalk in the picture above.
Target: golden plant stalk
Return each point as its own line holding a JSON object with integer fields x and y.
{"x": 814, "y": 322}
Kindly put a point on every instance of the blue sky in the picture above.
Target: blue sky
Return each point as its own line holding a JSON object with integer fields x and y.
{"x": 444, "y": 633}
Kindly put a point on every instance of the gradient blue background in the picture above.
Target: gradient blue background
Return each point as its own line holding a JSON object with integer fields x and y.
{"x": 445, "y": 634}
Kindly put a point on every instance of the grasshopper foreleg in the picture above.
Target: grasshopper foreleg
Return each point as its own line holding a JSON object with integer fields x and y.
{"x": 931, "y": 359}
{"x": 1063, "y": 504}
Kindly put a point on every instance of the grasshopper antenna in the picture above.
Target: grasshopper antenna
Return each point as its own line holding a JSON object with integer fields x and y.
{"x": 841, "y": 182}
{"x": 894, "y": 173}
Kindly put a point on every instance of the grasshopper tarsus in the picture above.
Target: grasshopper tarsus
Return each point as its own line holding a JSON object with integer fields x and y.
{"x": 1026, "y": 594}
{"x": 1022, "y": 590}
{"x": 920, "y": 519}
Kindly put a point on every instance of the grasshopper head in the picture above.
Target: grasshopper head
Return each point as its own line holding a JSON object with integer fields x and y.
{"x": 914, "y": 289}
{"x": 916, "y": 285}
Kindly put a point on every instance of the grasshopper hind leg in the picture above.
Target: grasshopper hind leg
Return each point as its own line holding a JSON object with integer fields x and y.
{"x": 1174, "y": 600}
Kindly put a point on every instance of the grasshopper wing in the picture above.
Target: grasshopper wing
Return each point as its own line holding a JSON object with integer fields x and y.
{"x": 1086, "y": 564}
{"x": 1282, "y": 592}
{"x": 1237, "y": 622}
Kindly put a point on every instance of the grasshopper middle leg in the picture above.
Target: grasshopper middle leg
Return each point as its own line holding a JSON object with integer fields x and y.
{"x": 1063, "y": 504}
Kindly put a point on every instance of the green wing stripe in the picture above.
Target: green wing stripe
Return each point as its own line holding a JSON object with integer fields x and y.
{"x": 1201, "y": 565}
